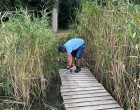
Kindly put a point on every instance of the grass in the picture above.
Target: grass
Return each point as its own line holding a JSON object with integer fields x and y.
{"x": 28, "y": 58}
{"x": 62, "y": 33}
{"x": 112, "y": 47}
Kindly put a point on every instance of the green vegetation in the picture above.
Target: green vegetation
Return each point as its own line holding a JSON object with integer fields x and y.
{"x": 28, "y": 56}
{"x": 112, "y": 35}
{"x": 12, "y": 5}
{"x": 28, "y": 59}
{"x": 67, "y": 9}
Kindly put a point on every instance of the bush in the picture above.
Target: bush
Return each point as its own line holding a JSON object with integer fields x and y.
{"x": 27, "y": 57}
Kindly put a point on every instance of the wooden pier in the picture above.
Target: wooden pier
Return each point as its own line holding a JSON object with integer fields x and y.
{"x": 81, "y": 91}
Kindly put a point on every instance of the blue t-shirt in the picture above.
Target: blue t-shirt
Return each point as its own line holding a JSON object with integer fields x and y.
{"x": 73, "y": 44}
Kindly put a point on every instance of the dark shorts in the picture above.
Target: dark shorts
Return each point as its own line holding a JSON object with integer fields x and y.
{"x": 78, "y": 53}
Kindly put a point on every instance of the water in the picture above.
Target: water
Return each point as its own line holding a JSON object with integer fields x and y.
{"x": 53, "y": 101}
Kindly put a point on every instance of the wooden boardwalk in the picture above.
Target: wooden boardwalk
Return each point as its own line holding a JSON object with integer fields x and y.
{"x": 81, "y": 91}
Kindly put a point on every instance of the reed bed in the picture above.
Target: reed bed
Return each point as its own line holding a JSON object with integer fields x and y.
{"x": 112, "y": 35}
{"x": 27, "y": 58}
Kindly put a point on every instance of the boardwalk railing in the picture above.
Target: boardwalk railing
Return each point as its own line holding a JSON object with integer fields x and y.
{"x": 81, "y": 91}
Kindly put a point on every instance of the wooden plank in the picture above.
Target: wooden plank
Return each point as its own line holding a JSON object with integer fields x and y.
{"x": 88, "y": 99}
{"x": 64, "y": 79}
{"x": 73, "y": 79}
{"x": 81, "y": 89}
{"x": 77, "y": 82}
{"x": 114, "y": 109}
{"x": 78, "y": 76}
{"x": 82, "y": 104}
{"x": 69, "y": 75}
{"x": 83, "y": 92}
{"x": 82, "y": 70}
{"x": 86, "y": 96}
{"x": 74, "y": 74}
{"x": 81, "y": 86}
{"x": 97, "y": 107}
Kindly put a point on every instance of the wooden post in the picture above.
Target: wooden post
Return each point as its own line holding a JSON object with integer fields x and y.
{"x": 55, "y": 17}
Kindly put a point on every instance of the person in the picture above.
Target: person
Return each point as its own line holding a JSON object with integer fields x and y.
{"x": 74, "y": 49}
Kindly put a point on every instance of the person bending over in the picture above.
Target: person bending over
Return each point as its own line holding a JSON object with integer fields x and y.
{"x": 74, "y": 49}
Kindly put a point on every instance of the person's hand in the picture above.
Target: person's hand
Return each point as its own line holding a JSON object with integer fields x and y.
{"x": 73, "y": 65}
{"x": 70, "y": 66}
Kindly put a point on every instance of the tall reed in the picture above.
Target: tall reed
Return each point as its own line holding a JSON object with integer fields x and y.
{"x": 27, "y": 57}
{"x": 112, "y": 35}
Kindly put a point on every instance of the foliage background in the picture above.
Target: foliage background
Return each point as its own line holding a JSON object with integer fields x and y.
{"x": 112, "y": 35}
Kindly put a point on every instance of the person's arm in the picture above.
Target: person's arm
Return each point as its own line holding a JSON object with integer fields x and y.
{"x": 69, "y": 56}
{"x": 69, "y": 59}
{"x": 69, "y": 65}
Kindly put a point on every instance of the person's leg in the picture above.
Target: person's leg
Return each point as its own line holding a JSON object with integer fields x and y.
{"x": 79, "y": 54}
{"x": 78, "y": 61}
{"x": 73, "y": 61}
{"x": 73, "y": 57}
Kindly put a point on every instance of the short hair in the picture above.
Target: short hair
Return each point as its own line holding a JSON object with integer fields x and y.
{"x": 61, "y": 48}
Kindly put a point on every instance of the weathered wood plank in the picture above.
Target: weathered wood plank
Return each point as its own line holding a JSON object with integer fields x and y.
{"x": 78, "y": 81}
{"x": 61, "y": 72}
{"x": 77, "y": 78}
{"x": 97, "y": 107}
{"x": 81, "y": 73}
{"x": 83, "y": 92}
{"x": 114, "y": 109}
{"x": 85, "y": 96}
{"x": 76, "y": 75}
{"x": 79, "y": 84}
{"x": 82, "y": 104}
{"x": 82, "y": 70}
{"x": 81, "y": 89}
{"x": 88, "y": 99}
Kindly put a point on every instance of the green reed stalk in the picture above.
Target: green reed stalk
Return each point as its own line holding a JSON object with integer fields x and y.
{"x": 112, "y": 51}
{"x": 27, "y": 57}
